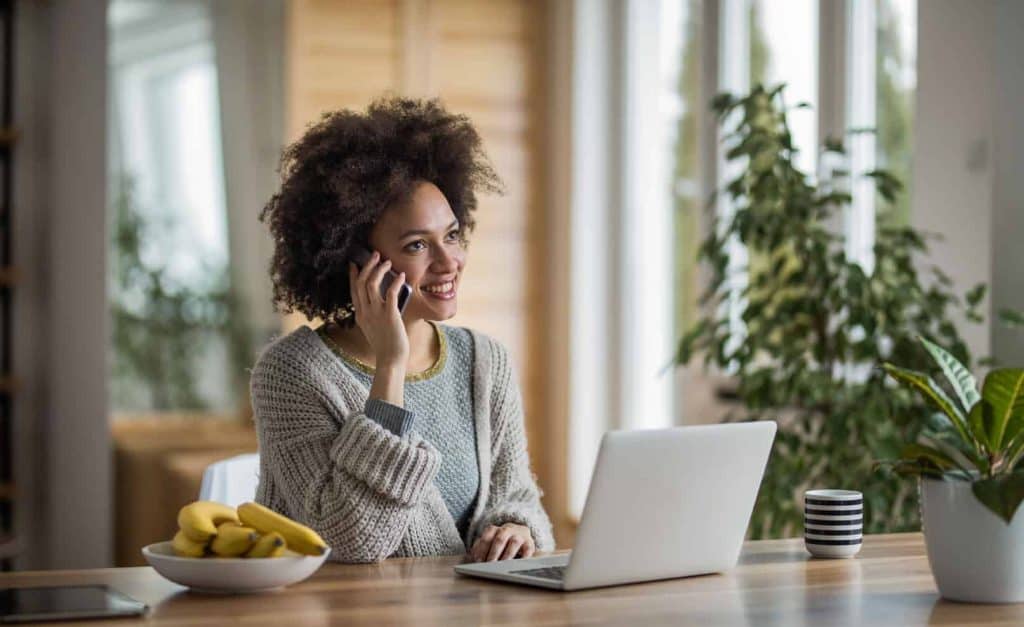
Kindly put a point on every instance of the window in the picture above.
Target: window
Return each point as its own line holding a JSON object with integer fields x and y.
{"x": 643, "y": 137}
{"x": 683, "y": 101}
{"x": 166, "y": 127}
{"x": 766, "y": 42}
{"x": 169, "y": 289}
{"x": 881, "y": 80}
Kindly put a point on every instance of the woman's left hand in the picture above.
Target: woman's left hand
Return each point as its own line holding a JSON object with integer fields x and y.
{"x": 501, "y": 543}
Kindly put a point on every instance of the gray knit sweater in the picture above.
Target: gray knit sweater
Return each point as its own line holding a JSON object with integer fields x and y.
{"x": 448, "y": 385}
{"x": 369, "y": 492}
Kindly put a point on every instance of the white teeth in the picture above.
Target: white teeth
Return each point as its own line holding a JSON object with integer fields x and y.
{"x": 440, "y": 289}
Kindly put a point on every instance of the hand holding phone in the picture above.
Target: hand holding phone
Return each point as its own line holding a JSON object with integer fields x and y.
{"x": 360, "y": 256}
{"x": 378, "y": 308}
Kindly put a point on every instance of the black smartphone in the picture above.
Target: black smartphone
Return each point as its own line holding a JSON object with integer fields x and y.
{"x": 360, "y": 256}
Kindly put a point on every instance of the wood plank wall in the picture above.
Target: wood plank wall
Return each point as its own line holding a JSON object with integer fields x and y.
{"x": 483, "y": 59}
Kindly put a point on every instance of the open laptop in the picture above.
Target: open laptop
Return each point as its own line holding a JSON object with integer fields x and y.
{"x": 662, "y": 503}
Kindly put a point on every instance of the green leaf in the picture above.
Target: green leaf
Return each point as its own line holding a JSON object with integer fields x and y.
{"x": 1011, "y": 318}
{"x": 988, "y": 362}
{"x": 1001, "y": 494}
{"x": 959, "y": 377}
{"x": 916, "y": 452}
{"x": 931, "y": 391}
{"x": 1013, "y": 453}
{"x": 1004, "y": 388}
{"x": 981, "y": 420}
{"x": 976, "y": 294}
{"x": 951, "y": 442}
{"x": 723, "y": 102}
{"x": 906, "y": 468}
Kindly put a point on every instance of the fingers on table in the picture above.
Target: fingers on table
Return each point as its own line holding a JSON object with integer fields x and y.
{"x": 483, "y": 543}
{"x": 512, "y": 548}
{"x": 502, "y": 543}
{"x": 529, "y": 548}
{"x": 501, "y": 538}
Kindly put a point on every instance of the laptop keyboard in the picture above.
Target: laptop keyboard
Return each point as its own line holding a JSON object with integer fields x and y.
{"x": 548, "y": 572}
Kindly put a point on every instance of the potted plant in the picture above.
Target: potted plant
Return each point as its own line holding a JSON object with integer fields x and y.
{"x": 800, "y": 337}
{"x": 971, "y": 479}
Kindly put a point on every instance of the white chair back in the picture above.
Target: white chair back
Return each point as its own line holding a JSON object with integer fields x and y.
{"x": 231, "y": 481}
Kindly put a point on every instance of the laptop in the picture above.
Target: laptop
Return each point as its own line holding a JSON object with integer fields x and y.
{"x": 662, "y": 503}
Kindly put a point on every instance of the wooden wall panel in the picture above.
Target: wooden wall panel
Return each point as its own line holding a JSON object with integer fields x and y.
{"x": 340, "y": 53}
{"x": 483, "y": 60}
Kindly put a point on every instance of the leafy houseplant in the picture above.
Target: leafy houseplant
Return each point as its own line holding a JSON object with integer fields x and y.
{"x": 158, "y": 324}
{"x": 980, "y": 438}
{"x": 813, "y": 323}
{"x": 970, "y": 456}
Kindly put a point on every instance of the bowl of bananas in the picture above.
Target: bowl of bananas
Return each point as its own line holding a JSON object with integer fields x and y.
{"x": 222, "y": 549}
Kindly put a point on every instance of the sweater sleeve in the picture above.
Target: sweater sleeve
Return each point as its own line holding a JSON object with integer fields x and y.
{"x": 355, "y": 483}
{"x": 514, "y": 496}
{"x": 397, "y": 420}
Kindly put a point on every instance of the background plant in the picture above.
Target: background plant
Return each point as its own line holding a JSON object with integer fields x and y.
{"x": 977, "y": 437}
{"x": 815, "y": 324}
{"x": 160, "y": 326}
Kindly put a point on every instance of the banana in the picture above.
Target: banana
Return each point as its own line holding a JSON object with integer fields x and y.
{"x": 233, "y": 539}
{"x": 300, "y": 538}
{"x": 184, "y": 547}
{"x": 269, "y": 545}
{"x": 199, "y": 520}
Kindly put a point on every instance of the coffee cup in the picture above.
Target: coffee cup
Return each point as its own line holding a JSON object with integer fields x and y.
{"x": 833, "y": 522}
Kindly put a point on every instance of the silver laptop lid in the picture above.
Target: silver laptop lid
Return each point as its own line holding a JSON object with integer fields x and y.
{"x": 669, "y": 502}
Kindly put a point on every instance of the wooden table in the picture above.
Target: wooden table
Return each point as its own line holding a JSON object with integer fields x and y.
{"x": 776, "y": 583}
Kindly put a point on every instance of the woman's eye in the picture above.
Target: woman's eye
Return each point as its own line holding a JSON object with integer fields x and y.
{"x": 415, "y": 246}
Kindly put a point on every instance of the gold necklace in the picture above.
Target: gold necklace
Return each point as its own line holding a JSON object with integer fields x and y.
{"x": 368, "y": 369}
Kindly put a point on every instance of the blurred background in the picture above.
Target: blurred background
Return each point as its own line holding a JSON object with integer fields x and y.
{"x": 141, "y": 139}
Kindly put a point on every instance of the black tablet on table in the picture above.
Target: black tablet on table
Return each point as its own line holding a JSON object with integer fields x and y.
{"x": 25, "y": 605}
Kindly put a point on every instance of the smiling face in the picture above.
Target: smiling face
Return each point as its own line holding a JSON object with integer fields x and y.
{"x": 421, "y": 238}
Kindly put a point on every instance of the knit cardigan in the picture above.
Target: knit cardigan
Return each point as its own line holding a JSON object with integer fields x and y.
{"x": 368, "y": 492}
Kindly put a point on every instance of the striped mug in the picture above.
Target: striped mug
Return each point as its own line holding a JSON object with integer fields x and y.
{"x": 833, "y": 522}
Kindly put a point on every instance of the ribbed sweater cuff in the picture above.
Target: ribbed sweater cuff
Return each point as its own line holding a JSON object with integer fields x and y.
{"x": 398, "y": 468}
{"x": 397, "y": 420}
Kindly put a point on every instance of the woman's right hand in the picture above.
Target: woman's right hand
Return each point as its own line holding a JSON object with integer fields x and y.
{"x": 377, "y": 317}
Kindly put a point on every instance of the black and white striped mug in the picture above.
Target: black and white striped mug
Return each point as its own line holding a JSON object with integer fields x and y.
{"x": 833, "y": 522}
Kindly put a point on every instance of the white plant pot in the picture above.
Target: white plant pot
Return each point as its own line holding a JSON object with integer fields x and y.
{"x": 975, "y": 556}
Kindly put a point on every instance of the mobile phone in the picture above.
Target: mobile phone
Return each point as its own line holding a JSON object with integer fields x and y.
{"x": 360, "y": 256}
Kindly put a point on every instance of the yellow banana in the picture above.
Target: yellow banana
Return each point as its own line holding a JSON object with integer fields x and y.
{"x": 184, "y": 547}
{"x": 300, "y": 538}
{"x": 269, "y": 545}
{"x": 233, "y": 539}
{"x": 199, "y": 520}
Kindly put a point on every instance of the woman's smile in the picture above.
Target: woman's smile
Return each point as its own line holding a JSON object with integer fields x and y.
{"x": 444, "y": 290}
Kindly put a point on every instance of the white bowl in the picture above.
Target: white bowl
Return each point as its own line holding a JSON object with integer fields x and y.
{"x": 231, "y": 574}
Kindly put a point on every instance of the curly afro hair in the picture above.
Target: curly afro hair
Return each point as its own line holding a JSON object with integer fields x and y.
{"x": 344, "y": 173}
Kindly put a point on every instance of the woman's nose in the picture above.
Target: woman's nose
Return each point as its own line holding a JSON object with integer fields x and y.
{"x": 446, "y": 261}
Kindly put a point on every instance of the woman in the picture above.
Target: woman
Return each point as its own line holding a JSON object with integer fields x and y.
{"x": 386, "y": 432}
